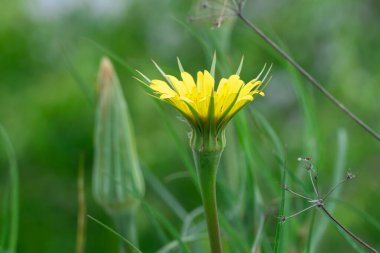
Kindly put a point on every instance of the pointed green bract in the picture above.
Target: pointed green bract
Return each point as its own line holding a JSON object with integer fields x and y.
{"x": 212, "y": 69}
{"x": 240, "y": 66}
{"x": 180, "y": 65}
{"x": 164, "y": 75}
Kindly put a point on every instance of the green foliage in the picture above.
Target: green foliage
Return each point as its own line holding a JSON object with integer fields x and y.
{"x": 10, "y": 210}
{"x": 45, "y": 112}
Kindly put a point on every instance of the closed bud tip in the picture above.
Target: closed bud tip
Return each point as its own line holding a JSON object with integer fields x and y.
{"x": 118, "y": 183}
{"x": 106, "y": 73}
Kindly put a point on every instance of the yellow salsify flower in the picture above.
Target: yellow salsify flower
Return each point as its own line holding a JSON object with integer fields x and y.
{"x": 207, "y": 107}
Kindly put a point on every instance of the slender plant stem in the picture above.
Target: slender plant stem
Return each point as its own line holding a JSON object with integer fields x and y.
{"x": 334, "y": 188}
{"x": 298, "y": 194}
{"x": 125, "y": 223}
{"x": 207, "y": 165}
{"x": 360, "y": 241}
{"x": 308, "y": 76}
{"x": 279, "y": 234}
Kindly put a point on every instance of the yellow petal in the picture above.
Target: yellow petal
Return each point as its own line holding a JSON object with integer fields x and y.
{"x": 162, "y": 87}
{"x": 188, "y": 81}
{"x": 178, "y": 85}
{"x": 208, "y": 83}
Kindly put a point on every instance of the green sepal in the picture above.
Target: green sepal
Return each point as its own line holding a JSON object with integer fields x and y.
{"x": 180, "y": 65}
{"x": 164, "y": 75}
{"x": 240, "y": 66}
{"x": 213, "y": 64}
{"x": 224, "y": 115}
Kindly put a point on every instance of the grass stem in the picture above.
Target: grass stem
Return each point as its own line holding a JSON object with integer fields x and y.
{"x": 353, "y": 236}
{"x": 307, "y": 75}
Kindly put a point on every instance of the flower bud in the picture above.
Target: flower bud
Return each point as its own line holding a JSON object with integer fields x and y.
{"x": 118, "y": 183}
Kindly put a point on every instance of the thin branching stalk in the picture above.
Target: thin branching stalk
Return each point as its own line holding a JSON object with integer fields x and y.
{"x": 307, "y": 75}
{"x": 353, "y": 236}
{"x": 319, "y": 203}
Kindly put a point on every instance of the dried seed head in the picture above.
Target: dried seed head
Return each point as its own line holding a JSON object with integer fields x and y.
{"x": 350, "y": 175}
{"x": 305, "y": 159}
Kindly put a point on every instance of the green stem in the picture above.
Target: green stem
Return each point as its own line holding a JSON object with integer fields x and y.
{"x": 126, "y": 226}
{"x": 207, "y": 166}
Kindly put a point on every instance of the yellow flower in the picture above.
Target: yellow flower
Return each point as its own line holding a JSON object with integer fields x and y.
{"x": 207, "y": 107}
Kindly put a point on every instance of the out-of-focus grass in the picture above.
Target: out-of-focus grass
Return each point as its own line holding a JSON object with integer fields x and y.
{"x": 10, "y": 202}
{"x": 50, "y": 121}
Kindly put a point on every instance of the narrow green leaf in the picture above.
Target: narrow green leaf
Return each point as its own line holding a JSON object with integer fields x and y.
{"x": 184, "y": 155}
{"x": 311, "y": 231}
{"x": 278, "y": 239}
{"x": 339, "y": 169}
{"x": 190, "y": 217}
{"x": 4, "y": 214}
{"x": 234, "y": 236}
{"x": 82, "y": 84}
{"x": 112, "y": 55}
{"x": 258, "y": 235}
{"x": 174, "y": 244}
{"x": 166, "y": 224}
{"x": 13, "y": 191}
{"x": 115, "y": 233}
{"x": 164, "y": 193}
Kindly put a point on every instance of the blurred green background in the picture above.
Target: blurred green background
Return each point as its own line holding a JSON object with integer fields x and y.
{"x": 47, "y": 47}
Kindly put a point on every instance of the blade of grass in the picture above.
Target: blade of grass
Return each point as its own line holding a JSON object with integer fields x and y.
{"x": 112, "y": 55}
{"x": 166, "y": 224}
{"x": 5, "y": 218}
{"x": 309, "y": 77}
{"x": 115, "y": 233}
{"x": 164, "y": 193}
{"x": 174, "y": 244}
{"x": 189, "y": 219}
{"x": 256, "y": 243}
{"x": 13, "y": 191}
{"x": 235, "y": 237}
{"x": 83, "y": 85}
{"x": 311, "y": 230}
{"x": 339, "y": 169}
{"x": 278, "y": 238}
{"x": 368, "y": 218}
{"x": 244, "y": 134}
{"x": 184, "y": 155}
